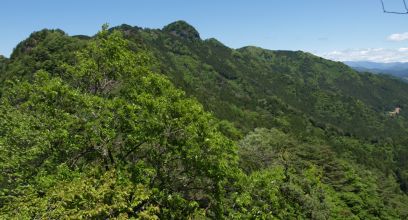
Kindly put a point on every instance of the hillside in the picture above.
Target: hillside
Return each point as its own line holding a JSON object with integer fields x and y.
{"x": 159, "y": 123}
{"x": 252, "y": 78}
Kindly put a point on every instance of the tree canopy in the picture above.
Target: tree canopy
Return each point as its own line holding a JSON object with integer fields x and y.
{"x": 137, "y": 123}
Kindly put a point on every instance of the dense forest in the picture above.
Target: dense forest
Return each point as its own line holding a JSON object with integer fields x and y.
{"x": 138, "y": 123}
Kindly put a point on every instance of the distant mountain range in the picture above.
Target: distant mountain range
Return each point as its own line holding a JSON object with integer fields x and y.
{"x": 397, "y": 69}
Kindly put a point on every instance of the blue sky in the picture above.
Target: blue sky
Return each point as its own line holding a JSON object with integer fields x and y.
{"x": 336, "y": 29}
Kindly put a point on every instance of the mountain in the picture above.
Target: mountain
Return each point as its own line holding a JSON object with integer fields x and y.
{"x": 397, "y": 69}
{"x": 263, "y": 82}
{"x": 158, "y": 123}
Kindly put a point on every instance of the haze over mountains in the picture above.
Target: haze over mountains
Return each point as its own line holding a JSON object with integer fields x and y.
{"x": 161, "y": 124}
{"x": 398, "y": 69}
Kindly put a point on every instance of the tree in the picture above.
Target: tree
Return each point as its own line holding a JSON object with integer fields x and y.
{"x": 129, "y": 143}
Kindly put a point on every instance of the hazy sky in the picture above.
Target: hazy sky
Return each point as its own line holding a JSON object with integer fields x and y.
{"x": 336, "y": 29}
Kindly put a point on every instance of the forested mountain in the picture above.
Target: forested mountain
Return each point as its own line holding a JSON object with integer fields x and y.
{"x": 159, "y": 123}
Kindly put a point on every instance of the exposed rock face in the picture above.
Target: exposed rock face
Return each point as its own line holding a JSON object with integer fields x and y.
{"x": 395, "y": 112}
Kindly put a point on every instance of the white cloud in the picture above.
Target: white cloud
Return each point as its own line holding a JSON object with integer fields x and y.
{"x": 398, "y": 37}
{"x": 371, "y": 54}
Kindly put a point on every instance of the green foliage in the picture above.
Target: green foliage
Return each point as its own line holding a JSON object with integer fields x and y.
{"x": 78, "y": 195}
{"x": 290, "y": 180}
{"x": 141, "y": 142}
{"x": 89, "y": 129}
{"x": 263, "y": 147}
{"x": 318, "y": 101}
{"x": 182, "y": 29}
{"x": 45, "y": 50}
{"x": 3, "y": 64}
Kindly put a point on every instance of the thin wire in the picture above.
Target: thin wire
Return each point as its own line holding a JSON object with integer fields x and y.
{"x": 405, "y": 5}
{"x": 395, "y": 12}
{"x": 382, "y": 3}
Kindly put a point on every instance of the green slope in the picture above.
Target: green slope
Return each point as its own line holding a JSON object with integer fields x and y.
{"x": 314, "y": 137}
{"x": 252, "y": 79}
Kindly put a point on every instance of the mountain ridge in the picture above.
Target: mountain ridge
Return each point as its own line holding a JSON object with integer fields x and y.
{"x": 398, "y": 69}
{"x": 314, "y": 137}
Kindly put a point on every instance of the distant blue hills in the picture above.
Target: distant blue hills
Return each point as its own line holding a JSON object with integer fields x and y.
{"x": 398, "y": 69}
